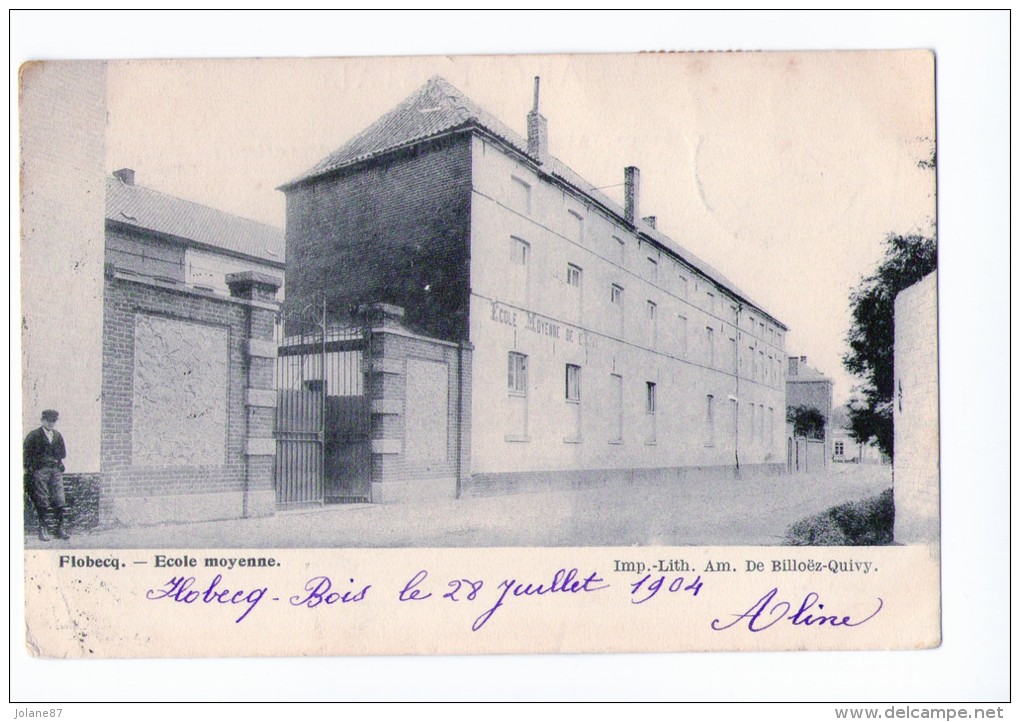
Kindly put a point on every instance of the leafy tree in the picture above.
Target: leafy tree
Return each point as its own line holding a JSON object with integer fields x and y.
{"x": 907, "y": 260}
{"x": 807, "y": 421}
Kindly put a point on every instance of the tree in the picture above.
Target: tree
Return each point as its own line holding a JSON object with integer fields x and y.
{"x": 807, "y": 421}
{"x": 907, "y": 260}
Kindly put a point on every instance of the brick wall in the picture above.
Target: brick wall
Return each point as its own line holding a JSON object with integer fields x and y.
{"x": 425, "y": 383}
{"x": 179, "y": 488}
{"x": 393, "y": 230}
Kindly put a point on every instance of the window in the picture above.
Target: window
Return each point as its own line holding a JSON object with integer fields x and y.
{"x": 649, "y": 397}
{"x": 710, "y": 345}
{"x": 517, "y": 374}
{"x": 682, "y": 336}
{"x": 651, "y": 311}
{"x": 838, "y": 448}
{"x": 772, "y": 427}
{"x": 733, "y": 354}
{"x": 761, "y": 423}
{"x": 621, "y": 250}
{"x": 761, "y": 364}
{"x": 710, "y": 302}
{"x": 649, "y": 412}
{"x": 683, "y": 286}
{"x": 616, "y": 295}
{"x": 520, "y": 252}
{"x": 733, "y": 315}
{"x": 573, "y": 383}
{"x": 573, "y": 275}
{"x": 653, "y": 269}
{"x": 616, "y": 419}
{"x": 710, "y": 420}
{"x": 576, "y": 226}
{"x": 520, "y": 195}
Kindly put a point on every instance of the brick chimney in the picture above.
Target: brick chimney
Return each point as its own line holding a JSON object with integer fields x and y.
{"x": 794, "y": 363}
{"x": 538, "y": 130}
{"x": 125, "y": 176}
{"x": 631, "y": 193}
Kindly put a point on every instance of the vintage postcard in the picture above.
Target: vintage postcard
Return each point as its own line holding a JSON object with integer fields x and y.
{"x": 459, "y": 355}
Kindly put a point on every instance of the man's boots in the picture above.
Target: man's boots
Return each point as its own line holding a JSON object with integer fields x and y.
{"x": 61, "y": 532}
{"x": 44, "y": 534}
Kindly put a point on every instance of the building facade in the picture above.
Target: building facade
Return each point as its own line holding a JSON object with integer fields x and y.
{"x": 601, "y": 349}
{"x": 916, "y": 477}
{"x": 810, "y": 388}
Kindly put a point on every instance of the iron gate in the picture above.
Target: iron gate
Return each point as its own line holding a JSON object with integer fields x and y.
{"x": 323, "y": 451}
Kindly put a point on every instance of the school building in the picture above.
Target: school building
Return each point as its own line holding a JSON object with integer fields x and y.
{"x": 548, "y": 335}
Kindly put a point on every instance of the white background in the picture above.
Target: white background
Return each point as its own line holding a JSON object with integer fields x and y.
{"x": 972, "y": 57}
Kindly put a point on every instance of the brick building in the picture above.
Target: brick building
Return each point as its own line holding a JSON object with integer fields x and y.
{"x": 189, "y": 313}
{"x": 807, "y": 386}
{"x": 589, "y": 346}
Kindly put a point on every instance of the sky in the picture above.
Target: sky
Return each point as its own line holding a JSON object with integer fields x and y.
{"x": 785, "y": 171}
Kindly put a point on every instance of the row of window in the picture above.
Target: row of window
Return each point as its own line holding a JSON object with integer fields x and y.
{"x": 713, "y": 303}
{"x": 517, "y": 386}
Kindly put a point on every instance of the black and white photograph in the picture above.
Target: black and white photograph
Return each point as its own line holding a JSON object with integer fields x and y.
{"x": 547, "y": 301}
{"x": 544, "y": 352}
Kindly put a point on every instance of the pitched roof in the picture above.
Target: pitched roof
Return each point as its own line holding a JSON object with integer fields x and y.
{"x": 149, "y": 210}
{"x": 806, "y": 373}
{"x": 437, "y": 108}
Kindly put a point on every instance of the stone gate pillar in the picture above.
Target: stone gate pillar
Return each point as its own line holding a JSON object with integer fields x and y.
{"x": 259, "y": 291}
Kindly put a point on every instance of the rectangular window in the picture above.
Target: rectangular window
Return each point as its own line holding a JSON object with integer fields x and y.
{"x": 616, "y": 295}
{"x": 573, "y": 383}
{"x": 649, "y": 397}
{"x": 838, "y": 448}
{"x": 517, "y": 374}
{"x": 616, "y": 397}
{"x": 772, "y": 427}
{"x": 761, "y": 364}
{"x": 733, "y": 315}
{"x": 653, "y": 270}
{"x": 710, "y": 420}
{"x": 683, "y": 286}
{"x": 521, "y": 195}
{"x": 621, "y": 250}
{"x": 573, "y": 275}
{"x": 761, "y": 423}
{"x": 576, "y": 226}
{"x": 733, "y": 355}
{"x": 520, "y": 252}
{"x": 651, "y": 311}
{"x": 710, "y": 303}
{"x": 710, "y": 346}
{"x": 682, "y": 336}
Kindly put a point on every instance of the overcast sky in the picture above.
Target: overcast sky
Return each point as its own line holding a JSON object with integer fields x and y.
{"x": 783, "y": 170}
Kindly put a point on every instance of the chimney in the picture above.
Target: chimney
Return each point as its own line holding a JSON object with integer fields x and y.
{"x": 538, "y": 130}
{"x": 631, "y": 191}
{"x": 793, "y": 363}
{"x": 125, "y": 176}
{"x": 650, "y": 220}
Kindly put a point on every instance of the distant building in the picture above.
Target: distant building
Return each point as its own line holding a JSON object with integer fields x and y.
{"x": 808, "y": 387}
{"x": 600, "y": 348}
{"x": 845, "y": 448}
{"x": 157, "y": 235}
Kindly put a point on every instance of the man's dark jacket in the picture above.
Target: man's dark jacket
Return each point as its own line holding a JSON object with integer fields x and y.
{"x": 40, "y": 453}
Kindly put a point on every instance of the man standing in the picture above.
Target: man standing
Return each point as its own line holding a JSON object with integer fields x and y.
{"x": 44, "y": 473}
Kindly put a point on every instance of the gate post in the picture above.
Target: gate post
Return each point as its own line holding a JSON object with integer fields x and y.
{"x": 259, "y": 291}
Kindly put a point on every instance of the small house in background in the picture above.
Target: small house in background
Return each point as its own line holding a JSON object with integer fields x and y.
{"x": 809, "y": 388}
{"x": 157, "y": 235}
{"x": 845, "y": 448}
